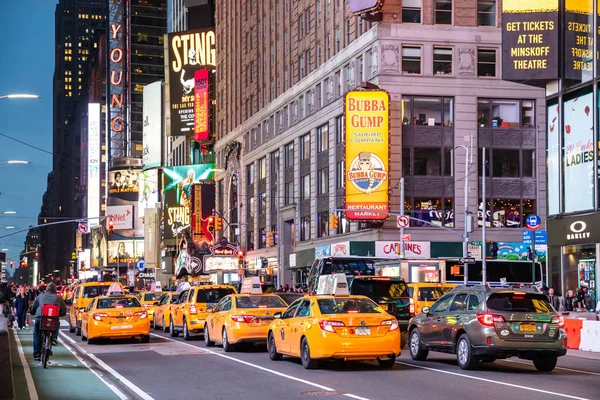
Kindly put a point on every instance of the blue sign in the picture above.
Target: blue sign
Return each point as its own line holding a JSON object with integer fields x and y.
{"x": 515, "y": 251}
{"x": 322, "y": 251}
{"x": 533, "y": 221}
{"x": 541, "y": 237}
{"x": 140, "y": 266}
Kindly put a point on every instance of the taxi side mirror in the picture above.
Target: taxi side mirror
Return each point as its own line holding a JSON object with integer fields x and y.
{"x": 277, "y": 315}
{"x": 156, "y": 303}
{"x": 210, "y": 309}
{"x": 425, "y": 310}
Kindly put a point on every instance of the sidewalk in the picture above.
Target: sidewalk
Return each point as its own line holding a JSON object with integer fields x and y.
{"x": 590, "y": 355}
{"x": 65, "y": 378}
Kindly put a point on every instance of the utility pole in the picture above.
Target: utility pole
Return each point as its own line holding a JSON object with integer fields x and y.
{"x": 402, "y": 213}
{"x": 483, "y": 227}
{"x": 467, "y": 215}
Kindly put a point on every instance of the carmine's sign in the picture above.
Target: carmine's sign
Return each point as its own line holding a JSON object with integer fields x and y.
{"x": 530, "y": 40}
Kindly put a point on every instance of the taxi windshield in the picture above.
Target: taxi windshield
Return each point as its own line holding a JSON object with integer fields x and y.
{"x": 118, "y": 302}
{"x": 152, "y": 296}
{"x": 89, "y": 292}
{"x": 431, "y": 293}
{"x": 379, "y": 288}
{"x": 345, "y": 305}
{"x": 210, "y": 295}
{"x": 259, "y": 302}
{"x": 529, "y": 302}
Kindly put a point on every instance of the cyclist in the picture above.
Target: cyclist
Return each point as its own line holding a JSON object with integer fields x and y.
{"x": 48, "y": 297}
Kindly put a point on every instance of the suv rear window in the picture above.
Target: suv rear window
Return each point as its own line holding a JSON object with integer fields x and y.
{"x": 379, "y": 288}
{"x": 526, "y": 302}
{"x": 212, "y": 295}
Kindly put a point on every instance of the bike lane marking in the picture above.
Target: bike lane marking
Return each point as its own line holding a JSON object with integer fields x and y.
{"x": 249, "y": 364}
{"x": 28, "y": 377}
{"x": 579, "y": 371}
{"x": 111, "y": 371}
{"x": 513, "y": 385}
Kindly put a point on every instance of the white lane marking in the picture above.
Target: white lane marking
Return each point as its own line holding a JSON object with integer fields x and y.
{"x": 492, "y": 381}
{"x": 561, "y": 368}
{"x": 63, "y": 323}
{"x": 28, "y": 378}
{"x": 290, "y": 377}
{"x": 111, "y": 371}
{"x": 81, "y": 360}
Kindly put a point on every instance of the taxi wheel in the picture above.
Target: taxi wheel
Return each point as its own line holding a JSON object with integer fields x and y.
{"x": 78, "y": 329}
{"x": 227, "y": 347}
{"x": 172, "y": 330}
{"x": 416, "y": 347}
{"x": 273, "y": 354}
{"x": 92, "y": 341}
{"x": 307, "y": 362}
{"x": 186, "y": 331}
{"x": 154, "y": 326}
{"x": 464, "y": 354}
{"x": 207, "y": 341}
{"x": 165, "y": 327}
{"x": 387, "y": 362}
{"x": 145, "y": 339}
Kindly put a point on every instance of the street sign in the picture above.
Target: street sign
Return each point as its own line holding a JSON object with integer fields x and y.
{"x": 541, "y": 237}
{"x": 405, "y": 237}
{"x": 533, "y": 221}
{"x": 82, "y": 228}
{"x": 466, "y": 260}
{"x": 140, "y": 265}
{"x": 402, "y": 221}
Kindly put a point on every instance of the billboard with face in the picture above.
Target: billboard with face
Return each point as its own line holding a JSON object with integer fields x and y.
{"x": 148, "y": 191}
{"x": 122, "y": 252}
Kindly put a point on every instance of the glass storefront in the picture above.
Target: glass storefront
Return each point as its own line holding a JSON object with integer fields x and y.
{"x": 579, "y": 268}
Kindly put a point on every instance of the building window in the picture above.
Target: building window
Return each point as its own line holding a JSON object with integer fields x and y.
{"x": 301, "y": 107}
{"x": 289, "y": 193}
{"x": 435, "y": 211}
{"x": 339, "y": 129}
{"x": 428, "y": 111}
{"x": 250, "y": 241}
{"x": 250, "y": 174}
{"x": 305, "y": 147}
{"x": 262, "y": 203}
{"x": 507, "y": 213}
{"x": 250, "y": 209}
{"x": 289, "y": 155}
{"x": 411, "y": 60}
{"x": 411, "y": 11}
{"x": 262, "y": 168}
{"x": 442, "y": 60}
{"x": 305, "y": 228}
{"x": 275, "y": 234}
{"x": 427, "y": 162}
{"x": 486, "y": 62}
{"x": 323, "y": 224}
{"x": 275, "y": 164}
{"x": 263, "y": 238}
{"x": 505, "y": 163}
{"x": 349, "y": 76}
{"x": 337, "y": 40}
{"x": 528, "y": 163}
{"x": 338, "y": 83}
{"x": 327, "y": 47}
{"x": 443, "y": 12}
{"x": 305, "y": 187}
{"x": 274, "y": 198}
{"x": 318, "y": 51}
{"x": 323, "y": 181}
{"x": 360, "y": 69}
{"x": 347, "y": 32}
{"x": 505, "y": 113}
{"x": 486, "y": 12}
{"x": 322, "y": 138}
{"x": 340, "y": 175}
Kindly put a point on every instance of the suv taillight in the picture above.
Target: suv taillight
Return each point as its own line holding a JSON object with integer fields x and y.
{"x": 411, "y": 307}
{"x": 558, "y": 320}
{"x": 489, "y": 319}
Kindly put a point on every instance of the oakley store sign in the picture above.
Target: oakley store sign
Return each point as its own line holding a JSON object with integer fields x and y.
{"x": 581, "y": 229}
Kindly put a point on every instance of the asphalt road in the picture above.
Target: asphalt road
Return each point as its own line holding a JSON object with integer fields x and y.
{"x": 168, "y": 368}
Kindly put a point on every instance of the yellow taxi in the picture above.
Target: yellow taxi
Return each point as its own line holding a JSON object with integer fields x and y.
{"x": 334, "y": 325}
{"x": 162, "y": 312}
{"x": 149, "y": 300}
{"x": 190, "y": 311}
{"x": 425, "y": 294}
{"x": 83, "y": 293}
{"x": 115, "y": 316}
{"x": 242, "y": 318}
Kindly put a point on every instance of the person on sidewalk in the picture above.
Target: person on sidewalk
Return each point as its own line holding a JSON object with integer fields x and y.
{"x": 21, "y": 305}
{"x": 48, "y": 297}
{"x": 554, "y": 300}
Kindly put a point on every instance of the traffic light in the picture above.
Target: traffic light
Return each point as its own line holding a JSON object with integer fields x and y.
{"x": 270, "y": 239}
{"x": 334, "y": 221}
{"x": 12, "y": 264}
{"x": 493, "y": 249}
{"x": 218, "y": 223}
{"x": 240, "y": 256}
{"x": 211, "y": 222}
{"x": 37, "y": 255}
{"x": 111, "y": 226}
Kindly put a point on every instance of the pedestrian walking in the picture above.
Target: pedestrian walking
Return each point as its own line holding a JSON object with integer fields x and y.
{"x": 554, "y": 300}
{"x": 21, "y": 305}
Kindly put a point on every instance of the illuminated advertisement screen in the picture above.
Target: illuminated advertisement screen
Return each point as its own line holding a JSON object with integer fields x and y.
{"x": 530, "y": 40}
{"x": 123, "y": 183}
{"x": 178, "y": 188}
{"x": 148, "y": 192}
{"x": 553, "y": 160}
{"x": 367, "y": 154}
{"x": 201, "y": 105}
{"x": 93, "y": 176}
{"x": 364, "y": 6}
{"x": 578, "y": 154}
{"x": 125, "y": 251}
{"x": 188, "y": 52}
{"x": 152, "y": 127}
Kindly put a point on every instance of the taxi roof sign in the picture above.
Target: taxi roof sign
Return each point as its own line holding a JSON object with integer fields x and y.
{"x": 334, "y": 284}
{"x": 183, "y": 286}
{"x": 251, "y": 286}
{"x": 115, "y": 290}
{"x": 155, "y": 287}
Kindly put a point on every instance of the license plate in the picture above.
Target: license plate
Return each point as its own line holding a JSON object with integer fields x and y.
{"x": 527, "y": 328}
{"x": 119, "y": 327}
{"x": 363, "y": 331}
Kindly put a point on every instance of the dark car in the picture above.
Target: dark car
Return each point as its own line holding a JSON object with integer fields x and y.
{"x": 391, "y": 294}
{"x": 481, "y": 324}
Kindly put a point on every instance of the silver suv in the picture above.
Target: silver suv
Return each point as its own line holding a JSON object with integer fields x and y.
{"x": 480, "y": 324}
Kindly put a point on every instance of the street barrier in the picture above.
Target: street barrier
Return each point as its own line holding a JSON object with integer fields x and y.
{"x": 573, "y": 329}
{"x": 590, "y": 336}
{"x": 6, "y": 377}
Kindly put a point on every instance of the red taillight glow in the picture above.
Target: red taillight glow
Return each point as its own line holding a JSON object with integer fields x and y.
{"x": 193, "y": 310}
{"x": 145, "y": 306}
{"x": 489, "y": 319}
{"x": 558, "y": 320}
{"x": 262, "y": 306}
{"x": 411, "y": 308}
{"x": 99, "y": 316}
{"x": 328, "y": 325}
{"x": 141, "y": 314}
{"x": 352, "y": 311}
{"x": 392, "y": 323}
{"x": 242, "y": 318}
{"x": 489, "y": 340}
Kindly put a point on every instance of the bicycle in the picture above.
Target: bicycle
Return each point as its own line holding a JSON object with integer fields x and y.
{"x": 49, "y": 323}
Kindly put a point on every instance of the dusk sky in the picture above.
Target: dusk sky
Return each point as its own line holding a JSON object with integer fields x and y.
{"x": 26, "y": 66}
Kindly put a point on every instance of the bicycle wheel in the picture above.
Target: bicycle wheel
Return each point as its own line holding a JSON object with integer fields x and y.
{"x": 47, "y": 348}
